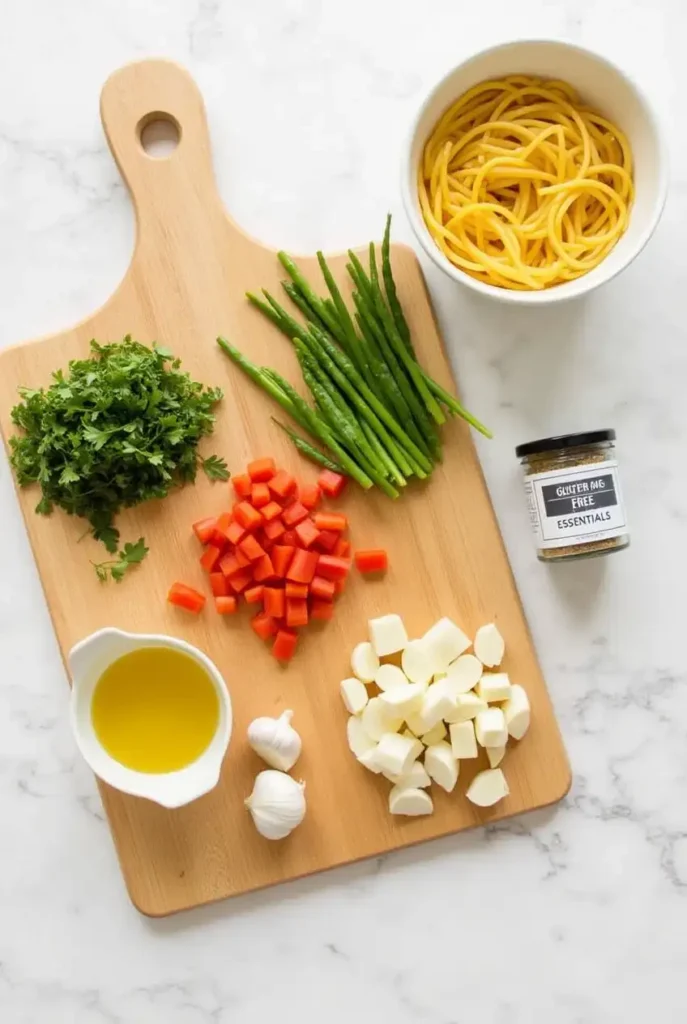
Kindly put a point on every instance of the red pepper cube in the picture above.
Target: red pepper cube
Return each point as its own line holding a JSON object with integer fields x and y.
{"x": 273, "y": 602}
{"x": 235, "y": 533}
{"x": 371, "y": 561}
{"x": 260, "y": 495}
{"x": 339, "y": 586}
{"x": 307, "y": 533}
{"x": 342, "y": 549}
{"x": 218, "y": 584}
{"x": 226, "y": 605}
{"x": 330, "y": 483}
{"x": 186, "y": 597}
{"x": 261, "y": 470}
{"x": 253, "y": 595}
{"x": 296, "y": 612}
{"x": 274, "y": 529}
{"x": 281, "y": 558}
{"x": 334, "y": 521}
{"x": 219, "y": 534}
{"x": 263, "y": 570}
{"x": 228, "y": 564}
{"x": 327, "y": 541}
{"x": 281, "y": 484}
{"x": 322, "y": 610}
{"x": 251, "y": 549}
{"x": 270, "y": 511}
{"x": 284, "y": 645}
{"x": 203, "y": 529}
{"x": 240, "y": 580}
{"x": 243, "y": 560}
{"x": 333, "y": 568}
{"x": 303, "y": 566}
{"x": 322, "y": 589}
{"x": 247, "y": 516}
{"x": 294, "y": 514}
{"x": 242, "y": 485}
{"x": 290, "y": 538}
{"x": 210, "y": 557}
{"x": 310, "y": 495}
{"x": 296, "y": 589}
{"x": 263, "y": 625}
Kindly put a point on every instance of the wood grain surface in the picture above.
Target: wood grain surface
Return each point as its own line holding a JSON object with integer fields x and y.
{"x": 186, "y": 284}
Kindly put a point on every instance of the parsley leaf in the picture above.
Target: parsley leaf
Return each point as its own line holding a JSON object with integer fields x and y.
{"x": 113, "y": 430}
{"x": 131, "y": 554}
{"x": 215, "y": 468}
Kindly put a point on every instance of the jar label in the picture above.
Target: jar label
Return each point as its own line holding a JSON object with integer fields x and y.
{"x": 576, "y": 505}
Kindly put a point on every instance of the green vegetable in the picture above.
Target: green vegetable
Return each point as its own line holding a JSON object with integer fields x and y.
{"x": 116, "y": 429}
{"x": 131, "y": 554}
{"x": 391, "y": 294}
{"x": 309, "y": 451}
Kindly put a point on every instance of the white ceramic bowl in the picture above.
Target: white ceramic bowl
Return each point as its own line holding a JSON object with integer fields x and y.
{"x": 601, "y": 85}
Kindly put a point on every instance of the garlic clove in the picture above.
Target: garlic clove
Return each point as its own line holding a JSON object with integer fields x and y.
{"x": 435, "y": 734}
{"x": 415, "y": 778}
{"x": 487, "y": 788}
{"x": 403, "y": 699}
{"x": 364, "y": 662}
{"x": 377, "y": 719}
{"x": 441, "y": 766}
{"x": 390, "y": 677}
{"x": 489, "y": 645}
{"x": 277, "y": 804}
{"x": 495, "y": 755}
{"x": 275, "y": 741}
{"x": 517, "y": 712}
{"x": 465, "y": 707}
{"x": 445, "y": 642}
{"x": 417, "y": 662}
{"x": 395, "y": 753}
{"x": 464, "y": 673}
{"x": 368, "y": 760}
{"x": 354, "y": 695}
{"x": 410, "y": 802}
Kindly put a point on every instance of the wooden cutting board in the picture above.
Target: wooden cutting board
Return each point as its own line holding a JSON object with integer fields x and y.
{"x": 186, "y": 283}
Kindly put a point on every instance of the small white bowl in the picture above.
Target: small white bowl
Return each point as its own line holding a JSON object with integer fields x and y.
{"x": 601, "y": 85}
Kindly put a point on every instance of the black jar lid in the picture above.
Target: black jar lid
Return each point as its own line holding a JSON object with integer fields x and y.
{"x": 551, "y": 444}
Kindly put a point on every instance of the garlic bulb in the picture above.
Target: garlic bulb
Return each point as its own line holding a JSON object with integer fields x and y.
{"x": 277, "y": 804}
{"x": 275, "y": 741}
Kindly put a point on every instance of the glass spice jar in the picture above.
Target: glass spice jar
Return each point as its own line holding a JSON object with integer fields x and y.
{"x": 573, "y": 495}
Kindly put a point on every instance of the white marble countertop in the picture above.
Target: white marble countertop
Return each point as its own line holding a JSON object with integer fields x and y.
{"x": 574, "y": 916}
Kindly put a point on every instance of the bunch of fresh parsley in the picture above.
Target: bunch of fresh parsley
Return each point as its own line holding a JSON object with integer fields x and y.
{"x": 116, "y": 429}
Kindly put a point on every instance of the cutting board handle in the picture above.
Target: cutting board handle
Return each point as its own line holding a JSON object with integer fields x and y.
{"x": 133, "y": 97}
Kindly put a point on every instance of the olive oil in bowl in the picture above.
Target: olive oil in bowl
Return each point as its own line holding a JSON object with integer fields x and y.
{"x": 155, "y": 710}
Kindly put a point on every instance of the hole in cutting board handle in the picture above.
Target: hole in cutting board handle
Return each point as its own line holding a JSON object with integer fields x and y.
{"x": 159, "y": 135}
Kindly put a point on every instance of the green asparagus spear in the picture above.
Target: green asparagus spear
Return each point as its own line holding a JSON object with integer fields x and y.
{"x": 391, "y": 294}
{"x": 319, "y": 306}
{"x": 306, "y": 449}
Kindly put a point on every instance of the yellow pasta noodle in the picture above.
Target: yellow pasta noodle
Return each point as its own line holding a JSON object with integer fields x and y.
{"x": 524, "y": 187}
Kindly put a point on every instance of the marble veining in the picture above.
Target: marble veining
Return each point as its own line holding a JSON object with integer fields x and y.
{"x": 574, "y": 915}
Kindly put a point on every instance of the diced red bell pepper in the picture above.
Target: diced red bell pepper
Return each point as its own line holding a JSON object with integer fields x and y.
{"x": 267, "y": 544}
{"x": 235, "y": 533}
{"x": 242, "y": 485}
{"x": 273, "y": 602}
{"x": 242, "y": 559}
{"x": 186, "y": 597}
{"x": 333, "y": 568}
{"x": 294, "y": 514}
{"x": 340, "y": 586}
{"x": 373, "y": 560}
{"x": 274, "y": 529}
{"x": 228, "y": 564}
{"x": 310, "y": 495}
{"x": 263, "y": 625}
{"x": 210, "y": 557}
{"x": 296, "y": 589}
{"x": 342, "y": 549}
{"x": 240, "y": 580}
{"x": 335, "y": 521}
{"x": 263, "y": 570}
{"x": 327, "y": 541}
{"x": 331, "y": 484}
{"x": 296, "y": 612}
{"x": 307, "y": 533}
{"x": 303, "y": 566}
{"x": 270, "y": 511}
{"x": 203, "y": 529}
{"x": 290, "y": 539}
{"x": 218, "y": 584}
{"x": 219, "y": 535}
{"x": 247, "y": 516}
{"x": 284, "y": 645}
{"x": 281, "y": 558}
{"x": 260, "y": 495}
{"x": 261, "y": 470}
{"x": 251, "y": 549}
{"x": 323, "y": 610}
{"x": 253, "y": 594}
{"x": 226, "y": 605}
{"x": 322, "y": 589}
{"x": 281, "y": 484}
